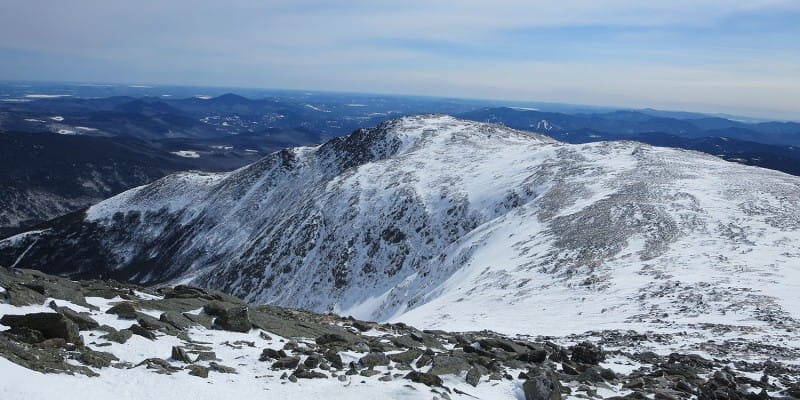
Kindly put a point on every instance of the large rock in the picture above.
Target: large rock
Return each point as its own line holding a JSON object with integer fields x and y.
{"x": 424, "y": 378}
{"x": 272, "y": 354}
{"x": 587, "y": 352}
{"x": 504, "y": 344}
{"x": 84, "y": 321}
{"x": 176, "y": 319}
{"x": 198, "y": 371}
{"x": 125, "y": 310}
{"x": 332, "y": 338}
{"x": 406, "y": 357}
{"x": 137, "y": 329}
{"x": 542, "y": 384}
{"x": 230, "y": 317}
{"x": 286, "y": 363}
{"x": 444, "y": 364}
{"x": 179, "y": 354}
{"x": 374, "y": 359}
{"x": 97, "y": 359}
{"x": 19, "y": 295}
{"x": 120, "y": 336}
{"x": 51, "y": 325}
{"x": 473, "y": 376}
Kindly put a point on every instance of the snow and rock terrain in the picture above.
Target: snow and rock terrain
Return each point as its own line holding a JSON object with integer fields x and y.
{"x": 100, "y": 339}
{"x": 457, "y": 225}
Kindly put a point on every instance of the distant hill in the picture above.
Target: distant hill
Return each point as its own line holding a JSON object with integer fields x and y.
{"x": 629, "y": 124}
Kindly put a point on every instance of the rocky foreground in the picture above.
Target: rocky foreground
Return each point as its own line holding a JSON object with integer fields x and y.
{"x": 138, "y": 338}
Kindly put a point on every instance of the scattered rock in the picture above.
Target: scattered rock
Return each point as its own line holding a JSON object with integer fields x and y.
{"x": 198, "y": 370}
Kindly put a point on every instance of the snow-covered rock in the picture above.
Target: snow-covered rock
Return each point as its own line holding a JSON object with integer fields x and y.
{"x": 461, "y": 225}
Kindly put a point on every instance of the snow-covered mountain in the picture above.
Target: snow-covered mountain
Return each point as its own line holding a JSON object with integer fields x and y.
{"x": 460, "y": 225}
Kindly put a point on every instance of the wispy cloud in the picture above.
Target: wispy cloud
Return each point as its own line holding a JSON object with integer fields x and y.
{"x": 715, "y": 55}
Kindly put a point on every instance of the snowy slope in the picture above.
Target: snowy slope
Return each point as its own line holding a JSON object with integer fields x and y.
{"x": 461, "y": 225}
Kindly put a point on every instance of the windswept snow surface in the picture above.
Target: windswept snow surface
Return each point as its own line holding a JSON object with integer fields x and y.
{"x": 459, "y": 225}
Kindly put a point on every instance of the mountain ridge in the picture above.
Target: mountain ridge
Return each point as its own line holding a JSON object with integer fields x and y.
{"x": 429, "y": 216}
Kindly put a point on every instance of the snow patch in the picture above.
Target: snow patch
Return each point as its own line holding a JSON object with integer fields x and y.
{"x": 186, "y": 153}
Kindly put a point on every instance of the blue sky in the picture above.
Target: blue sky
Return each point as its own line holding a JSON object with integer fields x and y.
{"x": 730, "y": 56}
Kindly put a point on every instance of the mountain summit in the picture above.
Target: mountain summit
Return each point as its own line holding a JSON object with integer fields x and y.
{"x": 459, "y": 225}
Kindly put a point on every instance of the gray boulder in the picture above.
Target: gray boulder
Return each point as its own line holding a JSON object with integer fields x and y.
{"x": 424, "y": 378}
{"x": 124, "y": 310}
{"x": 374, "y": 359}
{"x": 542, "y": 384}
{"x": 120, "y": 336}
{"x": 587, "y": 352}
{"x": 444, "y": 364}
{"x": 51, "y": 325}
{"x": 230, "y": 317}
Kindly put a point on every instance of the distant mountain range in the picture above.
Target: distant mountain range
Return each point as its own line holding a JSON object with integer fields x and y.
{"x": 630, "y": 124}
